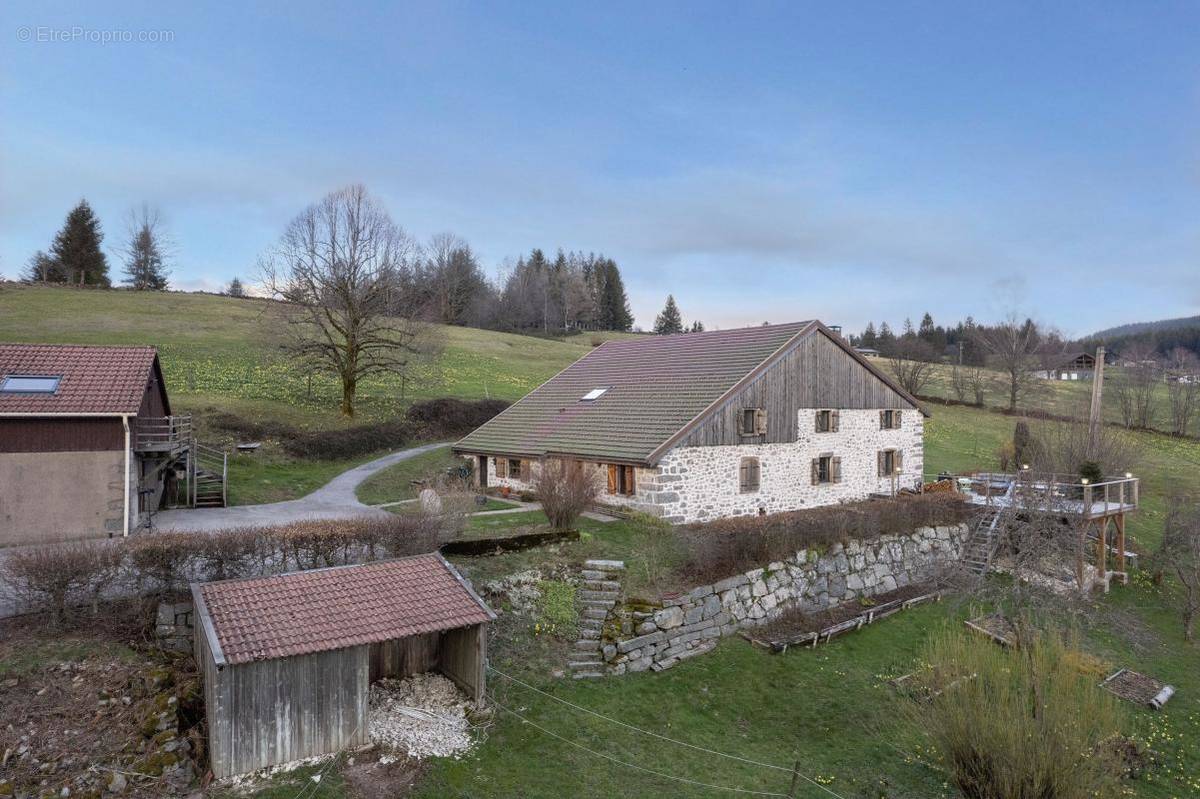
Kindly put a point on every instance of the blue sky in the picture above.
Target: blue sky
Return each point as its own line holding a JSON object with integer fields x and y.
{"x": 847, "y": 161}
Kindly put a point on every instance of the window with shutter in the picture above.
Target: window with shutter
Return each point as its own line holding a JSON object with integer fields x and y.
{"x": 834, "y": 421}
{"x": 896, "y": 420}
{"x": 515, "y": 470}
{"x": 835, "y": 470}
{"x": 748, "y": 475}
{"x": 824, "y": 421}
{"x": 628, "y": 487}
{"x": 501, "y": 467}
{"x": 612, "y": 478}
{"x": 760, "y": 421}
{"x": 826, "y": 469}
{"x": 887, "y": 462}
{"x": 747, "y": 422}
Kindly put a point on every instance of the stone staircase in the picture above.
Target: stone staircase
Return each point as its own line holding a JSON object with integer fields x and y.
{"x": 599, "y": 595}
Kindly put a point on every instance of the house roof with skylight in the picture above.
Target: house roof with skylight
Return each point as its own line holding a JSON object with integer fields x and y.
{"x": 73, "y": 379}
{"x": 627, "y": 399}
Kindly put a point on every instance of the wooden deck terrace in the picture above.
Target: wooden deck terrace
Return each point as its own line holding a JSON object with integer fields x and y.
{"x": 166, "y": 434}
{"x": 1051, "y": 493}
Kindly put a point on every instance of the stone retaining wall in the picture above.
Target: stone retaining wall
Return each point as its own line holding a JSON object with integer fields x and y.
{"x": 638, "y": 636}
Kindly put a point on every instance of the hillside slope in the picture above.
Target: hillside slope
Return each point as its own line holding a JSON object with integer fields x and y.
{"x": 1134, "y": 328}
{"x": 219, "y": 351}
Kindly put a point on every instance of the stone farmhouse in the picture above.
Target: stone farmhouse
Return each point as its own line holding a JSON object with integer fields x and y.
{"x": 699, "y": 426}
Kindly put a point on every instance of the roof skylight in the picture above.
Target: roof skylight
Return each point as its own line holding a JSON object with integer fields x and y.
{"x": 594, "y": 394}
{"x": 29, "y": 384}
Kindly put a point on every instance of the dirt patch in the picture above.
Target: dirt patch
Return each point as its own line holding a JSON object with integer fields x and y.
{"x": 996, "y": 627}
{"x": 85, "y": 712}
{"x": 383, "y": 778}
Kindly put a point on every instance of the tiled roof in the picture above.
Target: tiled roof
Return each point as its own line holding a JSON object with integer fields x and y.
{"x": 656, "y": 385}
{"x": 262, "y": 618}
{"x": 94, "y": 379}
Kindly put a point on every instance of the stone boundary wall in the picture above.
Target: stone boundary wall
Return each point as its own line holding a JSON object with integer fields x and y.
{"x": 639, "y": 636}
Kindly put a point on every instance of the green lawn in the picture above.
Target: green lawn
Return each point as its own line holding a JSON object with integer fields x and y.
{"x": 395, "y": 482}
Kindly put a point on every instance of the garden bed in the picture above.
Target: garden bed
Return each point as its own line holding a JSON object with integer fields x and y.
{"x": 796, "y": 627}
{"x": 1138, "y": 688}
{"x": 996, "y": 627}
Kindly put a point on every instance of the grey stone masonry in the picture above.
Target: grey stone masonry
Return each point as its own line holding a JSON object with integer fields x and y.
{"x": 637, "y": 636}
{"x": 599, "y": 595}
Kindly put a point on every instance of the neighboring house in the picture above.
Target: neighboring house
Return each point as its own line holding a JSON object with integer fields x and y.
{"x": 1068, "y": 366}
{"x": 85, "y": 441}
{"x": 870, "y": 352}
{"x": 705, "y": 425}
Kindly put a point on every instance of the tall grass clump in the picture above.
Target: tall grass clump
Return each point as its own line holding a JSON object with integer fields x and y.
{"x": 1021, "y": 724}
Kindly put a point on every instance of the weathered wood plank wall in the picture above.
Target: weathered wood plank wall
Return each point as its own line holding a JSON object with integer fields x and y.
{"x": 816, "y": 373}
{"x": 464, "y": 658}
{"x": 276, "y": 711}
{"x": 405, "y": 656}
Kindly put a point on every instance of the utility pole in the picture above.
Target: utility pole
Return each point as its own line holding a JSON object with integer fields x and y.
{"x": 1096, "y": 412}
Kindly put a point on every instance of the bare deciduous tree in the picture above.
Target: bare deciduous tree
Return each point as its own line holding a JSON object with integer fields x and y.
{"x": 1183, "y": 389}
{"x": 1179, "y": 554}
{"x": 1134, "y": 385}
{"x": 341, "y": 268}
{"x": 1012, "y": 347}
{"x": 910, "y": 360}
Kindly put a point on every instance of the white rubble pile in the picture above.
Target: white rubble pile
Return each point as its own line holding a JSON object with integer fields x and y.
{"x": 424, "y": 716}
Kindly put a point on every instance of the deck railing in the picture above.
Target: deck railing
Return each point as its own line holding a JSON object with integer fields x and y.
{"x": 1068, "y": 493}
{"x": 162, "y": 433}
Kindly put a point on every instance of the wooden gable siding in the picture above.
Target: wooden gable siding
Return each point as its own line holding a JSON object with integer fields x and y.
{"x": 62, "y": 434}
{"x": 815, "y": 373}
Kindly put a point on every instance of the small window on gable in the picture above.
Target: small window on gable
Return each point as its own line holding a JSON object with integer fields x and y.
{"x": 748, "y": 475}
{"x": 29, "y": 384}
{"x": 594, "y": 394}
{"x": 889, "y": 420}
{"x": 753, "y": 422}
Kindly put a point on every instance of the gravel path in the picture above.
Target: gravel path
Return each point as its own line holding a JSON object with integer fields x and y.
{"x": 334, "y": 500}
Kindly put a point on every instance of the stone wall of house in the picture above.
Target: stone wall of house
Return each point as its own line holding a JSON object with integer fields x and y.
{"x": 641, "y": 635}
{"x": 702, "y": 483}
{"x": 692, "y": 484}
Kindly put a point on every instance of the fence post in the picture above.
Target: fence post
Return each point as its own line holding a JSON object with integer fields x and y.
{"x": 795, "y": 780}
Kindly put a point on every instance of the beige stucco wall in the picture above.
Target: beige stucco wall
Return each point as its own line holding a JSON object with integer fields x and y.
{"x": 57, "y": 496}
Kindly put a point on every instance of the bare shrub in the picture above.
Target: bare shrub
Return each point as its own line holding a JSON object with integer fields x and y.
{"x": 565, "y": 489}
{"x": 1179, "y": 554}
{"x": 1183, "y": 389}
{"x": 411, "y": 534}
{"x": 56, "y": 577}
{"x": 1134, "y": 384}
{"x": 166, "y": 560}
{"x": 313, "y": 545}
{"x": 1063, "y": 446}
{"x": 727, "y": 546}
{"x": 225, "y": 554}
{"x": 1020, "y": 723}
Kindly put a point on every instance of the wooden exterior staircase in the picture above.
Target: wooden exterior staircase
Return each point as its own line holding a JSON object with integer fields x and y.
{"x": 978, "y": 551}
{"x": 170, "y": 442}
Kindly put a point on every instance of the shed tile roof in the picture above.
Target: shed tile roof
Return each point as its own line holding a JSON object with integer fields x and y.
{"x": 656, "y": 385}
{"x": 262, "y": 618}
{"x": 95, "y": 380}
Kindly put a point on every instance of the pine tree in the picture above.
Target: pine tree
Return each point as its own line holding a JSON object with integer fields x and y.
{"x": 868, "y": 339}
{"x": 145, "y": 256}
{"x": 614, "y": 304}
{"x": 886, "y": 337}
{"x": 76, "y": 248}
{"x": 235, "y": 288}
{"x": 41, "y": 268}
{"x": 669, "y": 321}
{"x": 697, "y": 327}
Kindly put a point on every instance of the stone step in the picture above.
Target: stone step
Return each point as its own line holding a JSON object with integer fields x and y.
{"x": 589, "y": 633}
{"x": 587, "y": 675}
{"x": 598, "y": 614}
{"x": 605, "y": 565}
{"x": 597, "y": 604}
{"x": 593, "y": 574}
{"x": 602, "y": 585}
{"x": 578, "y": 660}
{"x": 587, "y": 645}
{"x": 604, "y": 596}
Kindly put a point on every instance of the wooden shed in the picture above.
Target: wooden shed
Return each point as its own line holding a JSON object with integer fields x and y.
{"x": 287, "y": 661}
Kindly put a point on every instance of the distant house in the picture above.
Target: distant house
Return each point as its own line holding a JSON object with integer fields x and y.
{"x": 869, "y": 352}
{"x": 86, "y": 441}
{"x": 1068, "y": 366}
{"x": 706, "y": 425}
